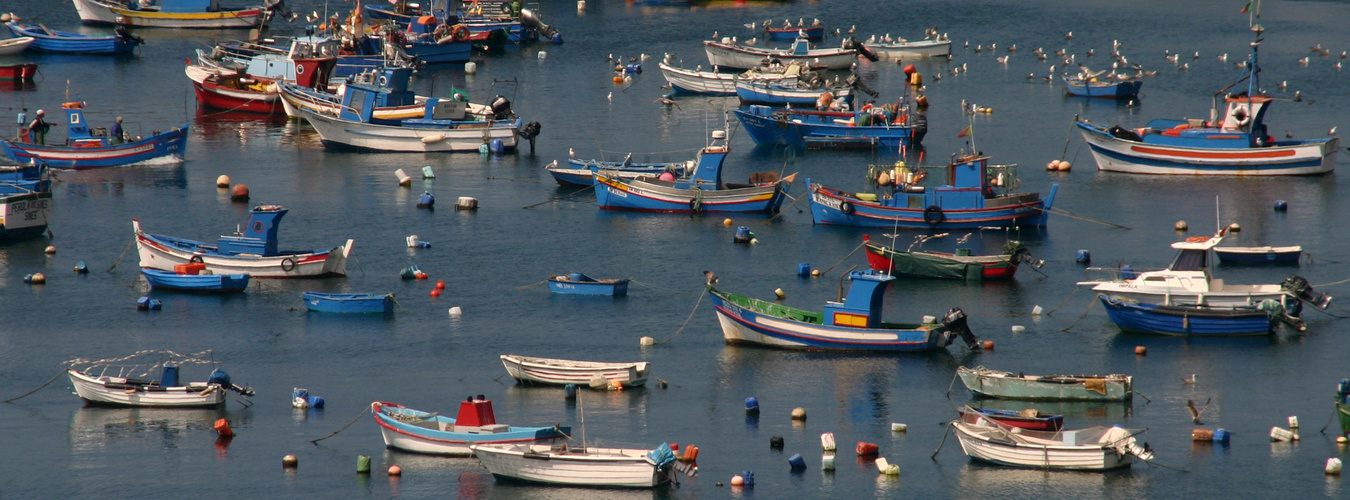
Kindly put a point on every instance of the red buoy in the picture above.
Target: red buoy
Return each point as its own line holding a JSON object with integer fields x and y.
{"x": 435, "y": 292}
{"x": 223, "y": 428}
{"x": 867, "y": 449}
{"x": 440, "y": 285}
{"x": 239, "y": 193}
{"x": 910, "y": 69}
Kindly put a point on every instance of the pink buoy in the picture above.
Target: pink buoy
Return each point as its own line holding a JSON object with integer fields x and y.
{"x": 668, "y": 177}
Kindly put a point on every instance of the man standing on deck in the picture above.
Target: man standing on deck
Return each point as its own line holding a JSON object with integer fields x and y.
{"x": 37, "y": 130}
{"x": 117, "y": 136}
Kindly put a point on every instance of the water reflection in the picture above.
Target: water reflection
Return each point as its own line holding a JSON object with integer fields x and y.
{"x": 95, "y": 428}
{"x": 979, "y": 479}
{"x": 112, "y": 181}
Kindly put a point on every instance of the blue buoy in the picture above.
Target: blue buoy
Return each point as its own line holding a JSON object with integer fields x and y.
{"x": 797, "y": 462}
{"x": 632, "y": 68}
{"x": 557, "y": 39}
{"x": 155, "y": 304}
{"x": 315, "y": 402}
{"x": 81, "y": 267}
{"x": 803, "y": 269}
{"x": 751, "y": 405}
{"x": 423, "y": 244}
{"x": 570, "y": 391}
{"x": 1281, "y": 205}
{"x": 497, "y": 146}
{"x": 1221, "y": 435}
{"x": 1083, "y": 257}
{"x": 141, "y": 303}
{"x": 749, "y": 477}
{"x": 742, "y": 235}
{"x": 426, "y": 200}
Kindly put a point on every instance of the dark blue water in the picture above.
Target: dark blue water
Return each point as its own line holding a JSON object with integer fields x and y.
{"x": 421, "y": 357}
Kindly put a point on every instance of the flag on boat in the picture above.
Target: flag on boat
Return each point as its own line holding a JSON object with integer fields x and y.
{"x": 1246, "y": 8}
{"x": 964, "y": 132}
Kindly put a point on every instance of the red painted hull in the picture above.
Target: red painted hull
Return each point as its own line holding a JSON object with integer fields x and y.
{"x": 997, "y": 270}
{"x": 1048, "y": 423}
{"x": 214, "y": 96}
{"x": 18, "y": 72}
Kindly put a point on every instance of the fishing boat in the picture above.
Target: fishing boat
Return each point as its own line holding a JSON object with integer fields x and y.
{"x": 1259, "y": 255}
{"x": 1343, "y": 405}
{"x": 444, "y": 126}
{"x": 987, "y": 383}
{"x": 1095, "y": 448}
{"x": 418, "y": 431}
{"x": 580, "y": 284}
{"x": 204, "y": 14}
{"x": 239, "y": 92}
{"x": 65, "y": 42}
{"x": 1078, "y": 85}
{"x": 482, "y": 18}
{"x": 25, "y": 200}
{"x": 904, "y": 49}
{"x": 90, "y": 147}
{"x": 941, "y": 265}
{"x": 391, "y": 102}
{"x": 584, "y": 466}
{"x": 582, "y": 172}
{"x": 1026, "y": 419}
{"x": 697, "y": 81}
{"x": 1234, "y": 143}
{"x": 362, "y": 303}
{"x": 728, "y": 54}
{"x": 815, "y": 32}
{"x": 283, "y": 58}
{"x": 1198, "y": 320}
{"x": 888, "y": 126}
{"x": 253, "y": 251}
{"x": 853, "y": 323}
{"x": 195, "y": 278}
{"x": 19, "y": 73}
{"x": 778, "y": 93}
{"x": 1188, "y": 281}
{"x": 975, "y": 194}
{"x": 123, "y": 381}
{"x": 531, "y": 370}
{"x": 701, "y": 191}
{"x": 11, "y": 46}
{"x": 432, "y": 42}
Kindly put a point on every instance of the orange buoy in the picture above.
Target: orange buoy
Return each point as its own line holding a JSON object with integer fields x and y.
{"x": 1140, "y": 350}
{"x": 988, "y": 345}
{"x": 239, "y": 193}
{"x": 435, "y": 292}
{"x": 420, "y": 275}
{"x": 737, "y": 480}
{"x": 440, "y": 285}
{"x": 618, "y": 79}
{"x": 690, "y": 453}
{"x": 1204, "y": 435}
{"x": 395, "y": 470}
{"x": 910, "y": 69}
{"x": 867, "y": 449}
{"x": 223, "y": 428}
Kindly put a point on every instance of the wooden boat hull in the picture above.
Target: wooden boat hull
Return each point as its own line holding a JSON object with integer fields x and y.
{"x": 1114, "y": 154}
{"x": 64, "y": 42}
{"x": 598, "y": 467}
{"x": 164, "y": 252}
{"x": 742, "y": 57}
{"x": 938, "y": 265}
{"x": 195, "y": 283}
{"x": 833, "y": 207}
{"x": 337, "y": 132}
{"x": 108, "y": 391}
{"x": 18, "y": 72}
{"x": 213, "y": 95}
{"x": 614, "y": 287}
{"x": 359, "y": 303}
{"x": 802, "y": 129}
{"x": 19, "y": 43}
{"x": 742, "y": 325}
{"x": 689, "y": 81}
{"x": 617, "y": 194}
{"x": 426, "y": 433}
{"x": 561, "y": 371}
{"x": 1187, "y": 320}
{"x": 1115, "y": 90}
{"x": 169, "y": 145}
{"x": 981, "y": 444}
{"x": 1259, "y": 255}
{"x": 912, "y": 50}
{"x": 1004, "y": 385}
{"x": 1048, "y": 423}
{"x": 103, "y": 12}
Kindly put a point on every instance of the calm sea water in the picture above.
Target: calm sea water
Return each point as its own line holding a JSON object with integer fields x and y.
{"x": 492, "y": 262}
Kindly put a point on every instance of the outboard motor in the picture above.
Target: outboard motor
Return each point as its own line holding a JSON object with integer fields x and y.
{"x": 855, "y": 80}
{"x": 853, "y": 43}
{"x": 122, "y": 32}
{"x": 955, "y": 321}
{"x": 529, "y": 132}
{"x": 1299, "y": 287}
{"x": 219, "y": 376}
{"x": 501, "y": 108}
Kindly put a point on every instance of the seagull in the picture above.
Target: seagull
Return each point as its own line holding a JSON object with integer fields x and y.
{"x": 1060, "y": 52}
{"x": 993, "y": 46}
{"x": 571, "y": 153}
{"x": 1031, "y": 76}
{"x": 1223, "y": 58}
{"x": 1184, "y": 66}
{"x": 967, "y": 45}
{"x": 1332, "y": 131}
{"x": 1039, "y": 51}
{"x": 1288, "y": 135}
{"x": 852, "y": 29}
{"x": 1195, "y": 55}
{"x": 1002, "y": 60}
{"x": 937, "y": 78}
{"x": 1068, "y": 36}
{"x": 1337, "y": 65}
{"x": 750, "y": 25}
{"x": 1172, "y": 58}
{"x": 1041, "y": 56}
{"x": 1188, "y": 381}
{"x": 1090, "y": 52}
{"x": 667, "y": 101}
{"x": 1284, "y": 84}
{"x": 1241, "y": 64}
{"x": 1303, "y": 61}
{"x": 709, "y": 278}
{"x": 752, "y": 41}
{"x": 552, "y": 164}
{"x": 1012, "y": 48}
{"x": 1049, "y": 78}
{"x": 610, "y": 97}
{"x": 1195, "y": 414}
{"x": 979, "y": 48}
{"x": 1343, "y": 54}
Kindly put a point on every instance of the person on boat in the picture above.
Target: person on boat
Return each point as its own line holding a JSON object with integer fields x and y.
{"x": 37, "y": 130}
{"x": 117, "y": 136}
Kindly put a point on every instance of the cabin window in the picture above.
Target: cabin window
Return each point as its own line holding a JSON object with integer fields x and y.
{"x": 74, "y": 118}
{"x": 1190, "y": 260}
{"x": 1157, "y": 279}
{"x": 846, "y": 319}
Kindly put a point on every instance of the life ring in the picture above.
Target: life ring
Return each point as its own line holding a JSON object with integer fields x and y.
{"x": 383, "y": 81}
{"x": 299, "y": 69}
{"x": 1197, "y": 239}
{"x": 846, "y": 208}
{"x": 1241, "y": 117}
{"x": 440, "y": 31}
{"x": 460, "y": 33}
{"x": 506, "y": 8}
{"x": 196, "y": 259}
{"x": 287, "y": 264}
{"x": 933, "y": 215}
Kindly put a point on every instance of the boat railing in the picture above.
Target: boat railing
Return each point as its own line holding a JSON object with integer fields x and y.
{"x": 1098, "y": 274}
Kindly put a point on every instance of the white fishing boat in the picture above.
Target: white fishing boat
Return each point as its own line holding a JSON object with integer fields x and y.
{"x": 1090, "y": 449}
{"x": 564, "y": 371}
{"x": 253, "y": 251}
{"x": 124, "y": 382}
{"x": 697, "y": 81}
{"x": 203, "y": 14}
{"x": 903, "y": 49}
{"x": 11, "y": 46}
{"x": 728, "y": 54}
{"x": 418, "y": 431}
{"x": 598, "y": 467}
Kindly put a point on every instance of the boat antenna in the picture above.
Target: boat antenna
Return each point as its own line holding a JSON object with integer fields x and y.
{"x": 581, "y": 407}
{"x": 1218, "y": 224}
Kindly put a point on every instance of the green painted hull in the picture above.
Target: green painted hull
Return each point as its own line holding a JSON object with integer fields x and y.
{"x": 1004, "y": 385}
{"x": 1343, "y": 411}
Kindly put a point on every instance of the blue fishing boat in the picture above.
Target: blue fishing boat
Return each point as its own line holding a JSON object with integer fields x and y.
{"x": 363, "y": 303}
{"x": 815, "y": 32}
{"x": 253, "y": 251}
{"x": 582, "y": 172}
{"x": 701, "y": 191}
{"x": 975, "y": 194}
{"x": 1090, "y": 87}
{"x": 418, "y": 431}
{"x": 65, "y": 42}
{"x": 25, "y": 200}
{"x": 888, "y": 126}
{"x": 792, "y": 93}
{"x": 1198, "y": 320}
{"x": 91, "y": 147}
{"x": 852, "y": 323}
{"x": 195, "y": 282}
{"x": 1259, "y": 255}
{"x": 432, "y": 42}
{"x": 480, "y": 17}
{"x": 580, "y": 284}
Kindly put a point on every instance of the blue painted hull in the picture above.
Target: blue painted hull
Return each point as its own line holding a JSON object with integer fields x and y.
{"x": 362, "y": 303}
{"x": 832, "y": 207}
{"x": 406, "y": 433}
{"x": 581, "y": 173}
{"x": 774, "y": 95}
{"x": 198, "y": 283}
{"x": 171, "y": 143}
{"x": 777, "y": 34}
{"x": 1291, "y": 257}
{"x": 437, "y": 53}
{"x": 62, "y": 42}
{"x": 616, "y": 194}
{"x": 1178, "y": 320}
{"x": 741, "y": 325}
{"x": 1112, "y": 90}
{"x": 615, "y": 287}
{"x": 808, "y": 128}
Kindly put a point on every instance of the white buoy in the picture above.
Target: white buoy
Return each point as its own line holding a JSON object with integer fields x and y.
{"x": 403, "y": 179}
{"x": 1180, "y": 225}
{"x": 1036, "y": 311}
{"x": 899, "y": 427}
{"x": 646, "y": 341}
{"x": 543, "y": 55}
{"x": 827, "y": 461}
{"x": 466, "y": 203}
{"x": 928, "y": 320}
{"x": 1278, "y": 434}
{"x": 1293, "y": 422}
{"x": 1018, "y": 328}
{"x": 427, "y": 173}
{"x": 1333, "y": 466}
{"x": 581, "y": 4}
{"x": 827, "y": 441}
{"x": 470, "y": 68}
{"x": 754, "y": 241}
{"x": 799, "y": 413}
{"x": 456, "y": 312}
{"x": 887, "y": 468}
{"x": 223, "y": 181}
{"x": 412, "y": 241}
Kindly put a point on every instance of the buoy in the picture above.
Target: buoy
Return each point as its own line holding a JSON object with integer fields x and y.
{"x": 1082, "y": 257}
{"x": 435, "y": 292}
{"x": 497, "y": 146}
{"x": 570, "y": 391}
{"x": 1180, "y": 225}
{"x": 742, "y": 235}
{"x": 239, "y": 193}
{"x": 827, "y": 461}
{"x": 1140, "y": 350}
{"x": 1293, "y": 422}
{"x": 615, "y": 385}
{"x": 483, "y": 149}
{"x": 440, "y": 285}
{"x": 1234, "y": 227}
{"x": 363, "y": 464}
{"x": 726, "y": 222}
{"x": 223, "y": 428}
{"x": 81, "y": 267}
{"x": 403, "y": 179}
{"x": 884, "y": 179}
{"x": 395, "y": 470}
{"x": 778, "y": 292}
{"x": 1064, "y": 166}
{"x": 827, "y": 441}
{"x": 752, "y": 405}
{"x": 916, "y": 79}
{"x": 466, "y": 203}
{"x": 427, "y": 173}
{"x": 1204, "y": 435}
{"x": 426, "y": 200}
{"x": 815, "y": 272}
{"x": 1221, "y": 435}
{"x": 470, "y": 68}
{"x": 36, "y": 278}
{"x": 1342, "y": 440}
{"x": 581, "y": 5}
{"x": 456, "y": 312}
{"x": 1333, "y": 466}
{"x": 754, "y": 241}
{"x": 799, "y": 413}
{"x": 1281, "y": 205}
{"x": 867, "y": 449}
{"x": 899, "y": 427}
{"x": 618, "y": 80}
{"x": 921, "y": 101}
{"x": 910, "y": 69}
{"x": 1052, "y": 166}
{"x": 1018, "y": 328}
{"x": 737, "y": 480}
{"x": 543, "y": 55}
{"x": 988, "y": 345}
{"x": 646, "y": 341}
{"x": 797, "y": 462}
{"x": 690, "y": 454}
{"x": 887, "y": 468}
{"x": 1278, "y": 434}
{"x": 50, "y": 250}
{"x": 776, "y": 443}
{"x": 289, "y": 461}
{"x": 803, "y": 269}
{"x": 223, "y": 181}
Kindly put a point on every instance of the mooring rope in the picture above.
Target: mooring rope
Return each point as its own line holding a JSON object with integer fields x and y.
{"x": 1080, "y": 318}
{"x": 686, "y": 320}
{"x": 1066, "y": 300}
{"x": 58, "y": 375}
{"x": 349, "y": 424}
{"x": 658, "y": 287}
{"x": 556, "y": 198}
{"x": 1071, "y": 215}
{"x": 119, "y": 257}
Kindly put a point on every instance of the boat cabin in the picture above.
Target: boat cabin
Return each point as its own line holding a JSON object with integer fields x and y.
{"x": 81, "y": 135}
{"x": 971, "y": 183}
{"x": 862, "y": 307}
{"x": 1242, "y": 127}
{"x": 800, "y": 47}
{"x": 259, "y": 237}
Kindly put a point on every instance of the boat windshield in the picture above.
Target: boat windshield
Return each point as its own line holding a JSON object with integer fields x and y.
{"x": 1190, "y": 260}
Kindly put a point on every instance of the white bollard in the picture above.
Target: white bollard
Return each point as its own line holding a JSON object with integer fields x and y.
{"x": 456, "y": 312}
{"x": 403, "y": 179}
{"x": 827, "y": 441}
{"x": 470, "y": 68}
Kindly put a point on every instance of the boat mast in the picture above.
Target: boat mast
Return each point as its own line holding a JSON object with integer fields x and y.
{"x": 1253, "y": 86}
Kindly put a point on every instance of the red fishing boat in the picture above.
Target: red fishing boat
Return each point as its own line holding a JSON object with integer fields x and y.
{"x": 1026, "y": 419}
{"x": 942, "y": 265}
{"x": 22, "y": 72}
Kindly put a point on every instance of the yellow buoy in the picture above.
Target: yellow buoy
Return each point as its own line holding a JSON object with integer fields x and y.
{"x": 815, "y": 272}
{"x": 799, "y": 413}
{"x": 1140, "y": 350}
{"x": 1234, "y": 227}
{"x": 726, "y": 222}
{"x": 1064, "y": 165}
{"x": 50, "y": 250}
{"x": 223, "y": 181}
{"x": 778, "y": 292}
